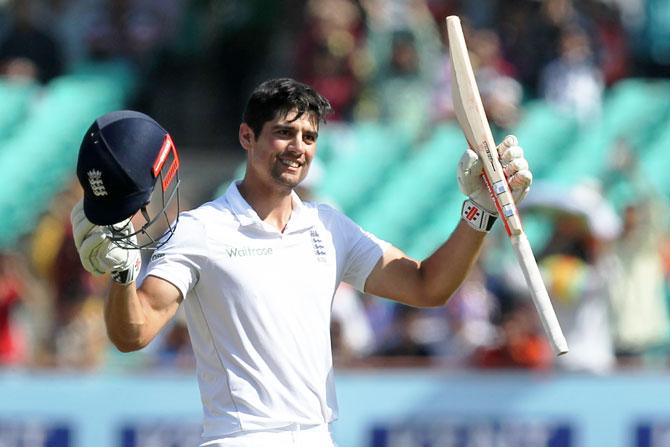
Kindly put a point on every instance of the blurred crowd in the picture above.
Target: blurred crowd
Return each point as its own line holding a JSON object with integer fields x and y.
{"x": 607, "y": 266}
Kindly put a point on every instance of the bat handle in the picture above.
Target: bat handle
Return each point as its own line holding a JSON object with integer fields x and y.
{"x": 538, "y": 291}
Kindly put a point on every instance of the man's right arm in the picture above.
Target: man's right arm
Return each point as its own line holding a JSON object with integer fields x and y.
{"x": 135, "y": 316}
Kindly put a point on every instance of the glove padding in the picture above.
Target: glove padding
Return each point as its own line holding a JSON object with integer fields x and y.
{"x": 98, "y": 254}
{"x": 515, "y": 168}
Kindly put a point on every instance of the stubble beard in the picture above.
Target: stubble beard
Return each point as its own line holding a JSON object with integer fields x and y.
{"x": 288, "y": 180}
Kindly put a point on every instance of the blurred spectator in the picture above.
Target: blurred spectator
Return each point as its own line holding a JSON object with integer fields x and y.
{"x": 331, "y": 74}
{"x": 572, "y": 82}
{"x": 501, "y": 93}
{"x": 500, "y": 327}
{"x": 73, "y": 333}
{"x": 614, "y": 58}
{"x": 575, "y": 272}
{"x": 640, "y": 319}
{"x": 12, "y": 342}
{"x": 380, "y": 314}
{"x": 637, "y": 284}
{"x": 469, "y": 320}
{"x": 27, "y": 51}
{"x": 329, "y": 54}
{"x": 70, "y": 22}
{"x": 240, "y": 42}
{"x": 521, "y": 343}
{"x": 351, "y": 333}
{"x": 405, "y": 47}
{"x": 49, "y": 233}
{"x": 407, "y": 340}
{"x": 530, "y": 32}
{"x": 131, "y": 30}
{"x": 77, "y": 337}
{"x": 581, "y": 303}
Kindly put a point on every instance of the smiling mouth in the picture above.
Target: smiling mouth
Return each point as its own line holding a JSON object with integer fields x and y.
{"x": 290, "y": 163}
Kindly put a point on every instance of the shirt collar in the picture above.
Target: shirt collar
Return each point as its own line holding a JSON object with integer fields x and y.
{"x": 302, "y": 216}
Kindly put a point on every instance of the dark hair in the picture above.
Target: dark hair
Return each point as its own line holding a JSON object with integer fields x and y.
{"x": 279, "y": 96}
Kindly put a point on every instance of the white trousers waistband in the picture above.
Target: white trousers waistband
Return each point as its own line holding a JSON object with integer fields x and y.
{"x": 295, "y": 435}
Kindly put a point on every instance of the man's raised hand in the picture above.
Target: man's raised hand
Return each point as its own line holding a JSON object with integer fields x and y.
{"x": 98, "y": 253}
{"x": 515, "y": 167}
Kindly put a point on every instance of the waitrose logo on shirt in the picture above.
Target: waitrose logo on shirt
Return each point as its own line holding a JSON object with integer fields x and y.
{"x": 235, "y": 252}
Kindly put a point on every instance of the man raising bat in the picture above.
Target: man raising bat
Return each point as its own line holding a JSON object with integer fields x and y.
{"x": 257, "y": 268}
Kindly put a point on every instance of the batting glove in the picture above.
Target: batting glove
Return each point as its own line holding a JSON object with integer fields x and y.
{"x": 98, "y": 253}
{"x": 480, "y": 210}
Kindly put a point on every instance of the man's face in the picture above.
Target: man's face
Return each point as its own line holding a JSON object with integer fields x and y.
{"x": 282, "y": 153}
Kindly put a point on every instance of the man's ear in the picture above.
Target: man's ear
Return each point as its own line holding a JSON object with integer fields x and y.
{"x": 246, "y": 136}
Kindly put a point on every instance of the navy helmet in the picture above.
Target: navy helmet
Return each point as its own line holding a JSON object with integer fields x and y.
{"x": 122, "y": 157}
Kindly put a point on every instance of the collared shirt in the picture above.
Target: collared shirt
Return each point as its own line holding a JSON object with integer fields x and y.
{"x": 258, "y": 304}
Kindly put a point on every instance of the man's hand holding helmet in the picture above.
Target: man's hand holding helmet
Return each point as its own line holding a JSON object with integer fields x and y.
{"x": 98, "y": 253}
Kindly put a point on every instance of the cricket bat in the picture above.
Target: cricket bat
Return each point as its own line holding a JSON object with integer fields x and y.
{"x": 472, "y": 119}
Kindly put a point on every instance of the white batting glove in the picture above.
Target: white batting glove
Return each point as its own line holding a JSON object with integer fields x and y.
{"x": 98, "y": 254}
{"x": 480, "y": 210}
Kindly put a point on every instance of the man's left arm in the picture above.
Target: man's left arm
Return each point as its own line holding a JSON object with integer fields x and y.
{"x": 431, "y": 282}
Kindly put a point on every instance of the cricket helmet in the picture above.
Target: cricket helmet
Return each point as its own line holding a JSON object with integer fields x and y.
{"x": 122, "y": 156}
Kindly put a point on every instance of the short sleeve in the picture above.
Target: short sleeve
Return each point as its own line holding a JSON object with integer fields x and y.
{"x": 183, "y": 256}
{"x": 360, "y": 249}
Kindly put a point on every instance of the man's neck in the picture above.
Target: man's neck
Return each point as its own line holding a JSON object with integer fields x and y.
{"x": 273, "y": 206}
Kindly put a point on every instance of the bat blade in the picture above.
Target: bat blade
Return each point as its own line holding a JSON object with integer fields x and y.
{"x": 472, "y": 119}
{"x": 467, "y": 101}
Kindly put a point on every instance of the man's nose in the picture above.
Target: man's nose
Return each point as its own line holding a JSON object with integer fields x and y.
{"x": 297, "y": 144}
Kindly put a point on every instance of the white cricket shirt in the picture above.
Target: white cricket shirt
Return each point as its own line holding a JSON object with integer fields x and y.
{"x": 258, "y": 306}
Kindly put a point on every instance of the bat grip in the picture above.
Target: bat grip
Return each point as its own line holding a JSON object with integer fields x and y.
{"x": 506, "y": 211}
{"x": 539, "y": 294}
